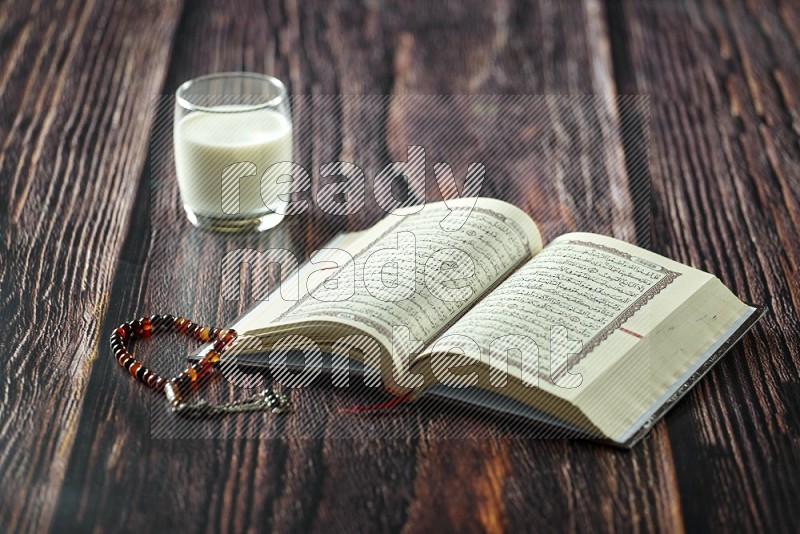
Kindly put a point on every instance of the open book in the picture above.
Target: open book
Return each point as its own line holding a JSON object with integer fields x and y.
{"x": 462, "y": 300}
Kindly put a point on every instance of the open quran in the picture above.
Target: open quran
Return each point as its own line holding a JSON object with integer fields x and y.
{"x": 463, "y": 301}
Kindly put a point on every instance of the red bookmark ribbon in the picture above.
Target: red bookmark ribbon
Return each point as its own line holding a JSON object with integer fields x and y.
{"x": 391, "y": 403}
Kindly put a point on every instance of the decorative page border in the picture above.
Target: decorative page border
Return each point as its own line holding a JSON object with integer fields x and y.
{"x": 627, "y": 313}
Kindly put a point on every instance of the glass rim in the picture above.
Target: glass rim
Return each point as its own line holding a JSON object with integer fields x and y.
{"x": 190, "y": 106}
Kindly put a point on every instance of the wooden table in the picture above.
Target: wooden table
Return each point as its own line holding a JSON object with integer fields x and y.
{"x": 80, "y": 253}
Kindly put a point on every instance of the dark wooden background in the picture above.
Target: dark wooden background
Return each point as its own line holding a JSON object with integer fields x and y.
{"x": 78, "y": 255}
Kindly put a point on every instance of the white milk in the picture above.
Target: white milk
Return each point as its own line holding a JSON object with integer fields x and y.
{"x": 206, "y": 143}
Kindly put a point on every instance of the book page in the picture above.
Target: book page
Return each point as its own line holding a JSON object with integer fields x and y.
{"x": 571, "y": 311}
{"x": 265, "y": 312}
{"x": 417, "y": 273}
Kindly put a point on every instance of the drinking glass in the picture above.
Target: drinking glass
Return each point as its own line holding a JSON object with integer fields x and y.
{"x": 229, "y": 129}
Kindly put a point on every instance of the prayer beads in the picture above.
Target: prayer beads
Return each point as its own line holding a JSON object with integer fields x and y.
{"x": 176, "y": 388}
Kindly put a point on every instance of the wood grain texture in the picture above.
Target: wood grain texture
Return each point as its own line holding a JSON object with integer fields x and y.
{"x": 298, "y": 483}
{"x": 75, "y": 80}
{"x": 84, "y": 448}
{"x": 723, "y": 81}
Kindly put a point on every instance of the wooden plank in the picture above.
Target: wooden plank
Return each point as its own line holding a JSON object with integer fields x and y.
{"x": 178, "y": 484}
{"x": 723, "y": 81}
{"x": 76, "y": 80}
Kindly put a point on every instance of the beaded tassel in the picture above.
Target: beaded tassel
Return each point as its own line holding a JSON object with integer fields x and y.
{"x": 176, "y": 388}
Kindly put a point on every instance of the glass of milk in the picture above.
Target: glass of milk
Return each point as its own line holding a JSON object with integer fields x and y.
{"x": 229, "y": 129}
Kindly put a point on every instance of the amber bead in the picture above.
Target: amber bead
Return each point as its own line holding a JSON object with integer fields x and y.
{"x": 212, "y": 356}
{"x": 204, "y": 365}
{"x": 165, "y": 322}
{"x": 159, "y": 322}
{"x": 147, "y": 327}
{"x": 202, "y": 334}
